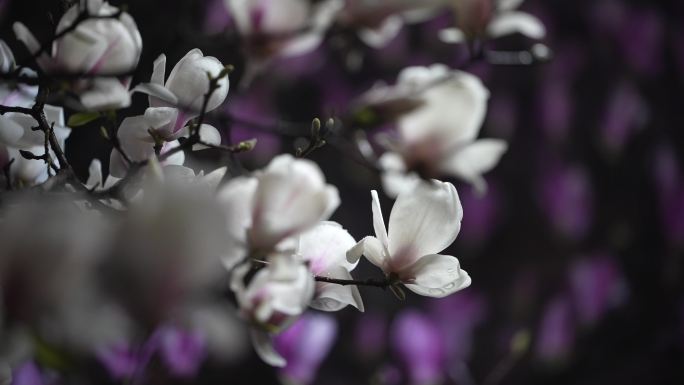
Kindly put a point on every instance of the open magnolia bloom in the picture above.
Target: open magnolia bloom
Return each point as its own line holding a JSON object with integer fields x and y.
{"x": 266, "y": 210}
{"x": 138, "y": 144}
{"x": 486, "y": 19}
{"x": 325, "y": 248}
{"x": 181, "y": 97}
{"x": 422, "y": 223}
{"x": 274, "y": 297}
{"x": 438, "y": 137}
{"x": 107, "y": 46}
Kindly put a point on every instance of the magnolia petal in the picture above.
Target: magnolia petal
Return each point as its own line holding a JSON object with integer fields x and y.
{"x": 379, "y": 37}
{"x": 470, "y": 162}
{"x": 11, "y": 132}
{"x": 378, "y": 220}
{"x": 292, "y": 197}
{"x": 237, "y": 198}
{"x": 436, "y": 276}
{"x": 159, "y": 70}
{"x": 25, "y": 36}
{"x": 508, "y": 5}
{"x": 263, "y": 345}
{"x": 156, "y": 91}
{"x": 372, "y": 249}
{"x": 452, "y": 36}
{"x": 94, "y": 175}
{"x": 333, "y": 196}
{"x": 325, "y": 247}
{"x": 333, "y": 297}
{"x": 208, "y": 134}
{"x": 105, "y": 94}
{"x": 424, "y": 221}
{"x": 214, "y": 178}
{"x": 511, "y": 22}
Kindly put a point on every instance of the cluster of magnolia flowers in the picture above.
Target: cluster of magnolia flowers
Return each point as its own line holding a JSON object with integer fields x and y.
{"x": 148, "y": 255}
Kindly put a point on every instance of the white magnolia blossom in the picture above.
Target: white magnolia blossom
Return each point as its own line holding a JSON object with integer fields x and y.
{"x": 277, "y": 203}
{"x": 280, "y": 28}
{"x": 423, "y": 222}
{"x": 97, "y": 46}
{"x": 491, "y": 19}
{"x": 439, "y": 137}
{"x": 181, "y": 96}
{"x": 138, "y": 144}
{"x": 379, "y": 21}
{"x": 273, "y": 299}
{"x": 325, "y": 248}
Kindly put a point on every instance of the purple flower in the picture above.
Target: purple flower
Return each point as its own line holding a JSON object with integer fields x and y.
{"x": 457, "y": 317}
{"x": 556, "y": 332}
{"x": 419, "y": 344}
{"x": 626, "y": 112}
{"x": 305, "y": 345}
{"x": 596, "y": 286}
{"x": 29, "y": 373}
{"x": 371, "y": 334}
{"x": 566, "y": 197}
{"x": 120, "y": 360}
{"x": 183, "y": 352}
{"x": 481, "y": 216}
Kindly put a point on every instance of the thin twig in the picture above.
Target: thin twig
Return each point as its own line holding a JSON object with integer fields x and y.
{"x": 384, "y": 283}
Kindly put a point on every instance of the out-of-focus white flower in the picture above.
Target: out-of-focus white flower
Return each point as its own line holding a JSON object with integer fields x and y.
{"x": 47, "y": 268}
{"x": 185, "y": 88}
{"x": 138, "y": 144}
{"x": 107, "y": 46}
{"x": 273, "y": 298}
{"x": 379, "y": 21}
{"x": 439, "y": 136}
{"x": 168, "y": 251}
{"x": 491, "y": 19}
{"x": 281, "y": 28}
{"x": 325, "y": 248}
{"x": 287, "y": 197}
{"x": 422, "y": 223}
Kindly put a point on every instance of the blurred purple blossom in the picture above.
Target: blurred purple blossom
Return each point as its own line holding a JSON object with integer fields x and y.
{"x": 418, "y": 343}
{"x": 183, "y": 352}
{"x": 252, "y": 108}
{"x": 457, "y": 317}
{"x": 597, "y": 285}
{"x": 120, "y": 360}
{"x": 305, "y": 345}
{"x": 481, "y": 215}
{"x": 29, "y": 373}
{"x": 567, "y": 199}
{"x": 370, "y": 335}
{"x": 556, "y": 333}
{"x": 217, "y": 19}
{"x": 626, "y": 112}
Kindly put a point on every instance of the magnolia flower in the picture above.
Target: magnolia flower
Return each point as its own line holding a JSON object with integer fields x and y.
{"x": 422, "y": 223}
{"x": 283, "y": 28}
{"x": 182, "y": 95}
{"x": 105, "y": 46}
{"x": 379, "y": 21}
{"x": 138, "y": 144}
{"x": 272, "y": 299}
{"x": 481, "y": 19}
{"x": 305, "y": 345}
{"x": 286, "y": 198}
{"x": 16, "y": 133}
{"x": 325, "y": 247}
{"x": 438, "y": 137}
